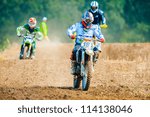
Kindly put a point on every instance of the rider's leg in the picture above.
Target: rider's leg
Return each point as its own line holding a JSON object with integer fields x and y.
{"x": 73, "y": 62}
{"x": 97, "y": 50}
{"x": 73, "y": 69}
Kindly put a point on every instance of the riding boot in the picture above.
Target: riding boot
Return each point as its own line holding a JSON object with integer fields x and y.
{"x": 73, "y": 67}
{"x": 71, "y": 57}
{"x": 96, "y": 56}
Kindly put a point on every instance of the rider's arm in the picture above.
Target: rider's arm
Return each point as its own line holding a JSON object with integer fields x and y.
{"x": 103, "y": 17}
{"x": 71, "y": 30}
{"x": 99, "y": 35}
{"x": 19, "y": 30}
{"x": 39, "y": 35}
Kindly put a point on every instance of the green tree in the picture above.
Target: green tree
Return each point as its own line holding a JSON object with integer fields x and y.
{"x": 128, "y": 20}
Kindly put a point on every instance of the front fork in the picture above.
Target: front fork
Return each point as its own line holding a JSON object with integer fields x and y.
{"x": 22, "y": 50}
{"x": 83, "y": 69}
{"x": 82, "y": 64}
{"x": 29, "y": 51}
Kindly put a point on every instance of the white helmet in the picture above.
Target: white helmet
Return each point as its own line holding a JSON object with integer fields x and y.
{"x": 44, "y": 19}
{"x": 32, "y": 22}
{"x": 94, "y": 6}
{"x": 88, "y": 16}
{"x": 87, "y": 19}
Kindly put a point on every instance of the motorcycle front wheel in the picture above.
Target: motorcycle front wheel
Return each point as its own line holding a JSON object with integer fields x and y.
{"x": 76, "y": 82}
{"x": 87, "y": 78}
{"x": 26, "y": 48}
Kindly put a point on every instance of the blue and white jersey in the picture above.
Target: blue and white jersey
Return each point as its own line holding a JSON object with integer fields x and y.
{"x": 82, "y": 33}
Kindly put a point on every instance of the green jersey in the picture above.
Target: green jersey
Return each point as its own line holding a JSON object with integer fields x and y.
{"x": 27, "y": 30}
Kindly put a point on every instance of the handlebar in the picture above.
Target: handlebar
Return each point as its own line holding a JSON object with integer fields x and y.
{"x": 86, "y": 39}
{"x": 25, "y": 36}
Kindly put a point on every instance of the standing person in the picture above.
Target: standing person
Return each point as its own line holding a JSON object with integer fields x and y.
{"x": 44, "y": 28}
{"x": 99, "y": 21}
{"x": 83, "y": 29}
{"x": 29, "y": 28}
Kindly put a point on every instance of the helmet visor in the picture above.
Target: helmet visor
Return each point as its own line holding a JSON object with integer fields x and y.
{"x": 93, "y": 8}
{"x": 88, "y": 21}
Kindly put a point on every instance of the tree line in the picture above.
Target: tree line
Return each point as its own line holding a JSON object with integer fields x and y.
{"x": 128, "y": 20}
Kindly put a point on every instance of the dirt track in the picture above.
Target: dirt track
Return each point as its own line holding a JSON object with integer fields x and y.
{"x": 122, "y": 72}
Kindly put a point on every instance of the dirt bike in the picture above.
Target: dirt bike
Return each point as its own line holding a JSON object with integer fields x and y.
{"x": 83, "y": 65}
{"x": 26, "y": 48}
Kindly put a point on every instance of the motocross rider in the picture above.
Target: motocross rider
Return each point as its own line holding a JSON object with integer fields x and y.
{"x": 29, "y": 28}
{"x": 83, "y": 29}
{"x": 99, "y": 21}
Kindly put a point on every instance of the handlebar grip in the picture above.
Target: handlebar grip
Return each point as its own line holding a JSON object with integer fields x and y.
{"x": 104, "y": 26}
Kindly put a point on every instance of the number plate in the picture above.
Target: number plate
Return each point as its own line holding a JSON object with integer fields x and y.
{"x": 28, "y": 40}
{"x": 87, "y": 45}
